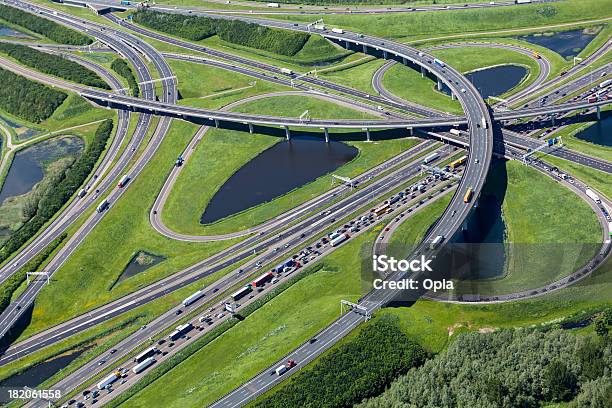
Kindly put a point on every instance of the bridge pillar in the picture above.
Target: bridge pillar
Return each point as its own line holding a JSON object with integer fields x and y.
{"x": 453, "y": 96}
{"x": 411, "y": 131}
{"x": 347, "y": 44}
{"x": 287, "y": 133}
{"x": 216, "y": 123}
{"x": 422, "y": 72}
{"x": 598, "y": 112}
{"x": 404, "y": 61}
{"x": 365, "y": 49}
{"x": 439, "y": 84}
{"x": 326, "y": 135}
{"x": 384, "y": 54}
{"x": 368, "y": 135}
{"x": 553, "y": 121}
{"x": 250, "y": 128}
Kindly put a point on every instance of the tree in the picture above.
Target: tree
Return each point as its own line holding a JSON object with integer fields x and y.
{"x": 561, "y": 383}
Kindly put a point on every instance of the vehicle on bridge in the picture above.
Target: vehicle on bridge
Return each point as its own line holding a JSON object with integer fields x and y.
{"x": 458, "y": 162}
{"x": 468, "y": 195}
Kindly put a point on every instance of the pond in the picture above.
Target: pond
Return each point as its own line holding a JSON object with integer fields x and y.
{"x": 565, "y": 43}
{"x": 9, "y": 32}
{"x": 22, "y": 132}
{"x": 283, "y": 167}
{"x": 28, "y": 164}
{"x": 599, "y": 133}
{"x": 38, "y": 374}
{"x": 494, "y": 81}
{"x": 139, "y": 263}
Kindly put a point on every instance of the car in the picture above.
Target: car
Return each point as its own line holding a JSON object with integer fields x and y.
{"x": 101, "y": 362}
{"x": 178, "y": 312}
{"x": 113, "y": 351}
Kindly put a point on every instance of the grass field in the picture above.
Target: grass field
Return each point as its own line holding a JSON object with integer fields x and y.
{"x": 222, "y": 152}
{"x": 409, "y": 26}
{"x": 125, "y": 229}
{"x": 267, "y": 334}
{"x": 599, "y": 180}
{"x": 408, "y": 84}
{"x": 541, "y": 247}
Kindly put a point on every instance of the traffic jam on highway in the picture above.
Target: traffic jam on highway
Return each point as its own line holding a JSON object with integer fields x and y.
{"x": 201, "y": 317}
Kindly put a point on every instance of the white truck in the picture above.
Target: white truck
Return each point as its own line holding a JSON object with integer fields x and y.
{"x": 338, "y": 30}
{"x": 191, "y": 299}
{"x": 591, "y": 194}
{"x": 143, "y": 365}
{"x": 273, "y": 5}
{"x": 455, "y": 132}
{"x": 286, "y": 71}
{"x": 280, "y": 370}
{"x": 111, "y": 378}
{"x": 436, "y": 242}
{"x": 338, "y": 240}
{"x": 319, "y": 26}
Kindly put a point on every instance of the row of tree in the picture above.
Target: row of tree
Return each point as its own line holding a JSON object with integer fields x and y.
{"x": 53, "y": 65}
{"x": 197, "y": 28}
{"x": 65, "y": 188}
{"x": 509, "y": 368}
{"x": 27, "y": 99}
{"x": 360, "y": 368}
{"x": 122, "y": 68}
{"x": 42, "y": 26}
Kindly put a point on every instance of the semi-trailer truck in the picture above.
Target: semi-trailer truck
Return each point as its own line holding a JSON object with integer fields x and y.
{"x": 455, "y": 132}
{"x": 266, "y": 277}
{"x": 286, "y": 71}
{"x": 273, "y": 5}
{"x": 145, "y": 354}
{"x": 103, "y": 206}
{"x": 143, "y": 365}
{"x": 436, "y": 242}
{"x": 191, "y": 299}
{"x": 319, "y": 27}
{"x": 605, "y": 83}
{"x": 124, "y": 180}
{"x": 468, "y": 195}
{"x": 111, "y": 378}
{"x": 430, "y": 158}
{"x": 180, "y": 331}
{"x": 591, "y": 194}
{"x": 338, "y": 30}
{"x": 339, "y": 240}
{"x": 439, "y": 63}
{"x": 241, "y": 293}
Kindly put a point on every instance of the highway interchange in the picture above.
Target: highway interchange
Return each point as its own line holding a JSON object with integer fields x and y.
{"x": 480, "y": 140}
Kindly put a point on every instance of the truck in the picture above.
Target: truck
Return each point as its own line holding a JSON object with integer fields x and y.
{"x": 394, "y": 199}
{"x": 280, "y": 370}
{"x": 382, "y": 209}
{"x": 241, "y": 293}
{"x": 180, "y": 331}
{"x": 286, "y": 71}
{"x": 82, "y": 193}
{"x": 319, "y": 27}
{"x": 273, "y": 5}
{"x": 124, "y": 180}
{"x": 111, "y": 378}
{"x": 592, "y": 99}
{"x": 458, "y": 162}
{"x": 145, "y": 354}
{"x": 191, "y": 299}
{"x": 125, "y": 3}
{"x": 102, "y": 206}
{"x": 455, "y": 132}
{"x": 430, "y": 158}
{"x": 439, "y": 63}
{"x": 522, "y": 1}
{"x": 266, "y": 277}
{"x": 484, "y": 122}
{"x": 143, "y": 365}
{"x": 436, "y": 242}
{"x": 338, "y": 240}
{"x": 338, "y": 30}
{"x": 605, "y": 83}
{"x": 468, "y": 195}
{"x": 536, "y": 55}
{"x": 591, "y": 194}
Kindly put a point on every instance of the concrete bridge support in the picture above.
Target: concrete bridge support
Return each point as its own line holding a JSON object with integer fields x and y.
{"x": 287, "y": 133}
{"x": 439, "y": 84}
{"x": 368, "y": 135}
{"x": 326, "y": 135}
{"x": 250, "y": 128}
{"x": 347, "y": 44}
{"x": 404, "y": 61}
{"x": 384, "y": 54}
{"x": 216, "y": 123}
{"x": 422, "y": 72}
{"x": 411, "y": 130}
{"x": 599, "y": 113}
{"x": 365, "y": 48}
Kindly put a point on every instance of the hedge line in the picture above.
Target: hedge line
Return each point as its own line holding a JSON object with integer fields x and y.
{"x": 197, "y": 28}
{"x": 56, "y": 197}
{"x": 11, "y": 284}
{"x": 42, "y": 26}
{"x": 360, "y": 368}
{"x": 188, "y": 351}
{"x": 122, "y": 68}
{"x": 53, "y": 65}
{"x": 28, "y": 99}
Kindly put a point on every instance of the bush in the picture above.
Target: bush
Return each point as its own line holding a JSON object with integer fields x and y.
{"x": 57, "y": 196}
{"x": 122, "y": 68}
{"x": 360, "y": 368}
{"x": 195, "y": 28}
{"x": 53, "y": 65}
{"x": 27, "y": 99}
{"x": 42, "y": 26}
